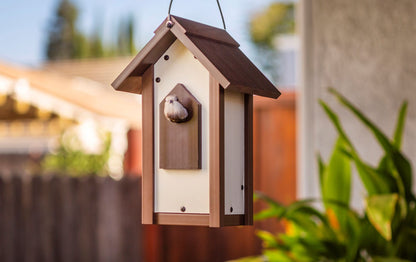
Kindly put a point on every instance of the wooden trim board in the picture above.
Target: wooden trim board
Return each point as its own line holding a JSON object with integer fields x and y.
{"x": 181, "y": 219}
{"x": 234, "y": 220}
{"x": 248, "y": 155}
{"x": 216, "y": 153}
{"x": 180, "y": 143}
{"x": 148, "y": 145}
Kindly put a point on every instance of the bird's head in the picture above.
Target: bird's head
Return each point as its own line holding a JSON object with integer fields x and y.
{"x": 170, "y": 99}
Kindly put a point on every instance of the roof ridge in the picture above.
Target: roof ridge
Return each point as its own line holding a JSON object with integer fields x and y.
{"x": 214, "y": 47}
{"x": 206, "y": 31}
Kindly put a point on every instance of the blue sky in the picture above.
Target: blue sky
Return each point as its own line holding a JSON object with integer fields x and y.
{"x": 24, "y": 23}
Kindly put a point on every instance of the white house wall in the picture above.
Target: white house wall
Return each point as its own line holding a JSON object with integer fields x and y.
{"x": 366, "y": 50}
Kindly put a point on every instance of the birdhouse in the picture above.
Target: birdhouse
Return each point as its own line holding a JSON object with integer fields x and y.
{"x": 197, "y": 92}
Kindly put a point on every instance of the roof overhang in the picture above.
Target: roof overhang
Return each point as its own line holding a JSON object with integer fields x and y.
{"x": 214, "y": 48}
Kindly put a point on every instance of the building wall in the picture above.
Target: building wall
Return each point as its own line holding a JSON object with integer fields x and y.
{"x": 366, "y": 49}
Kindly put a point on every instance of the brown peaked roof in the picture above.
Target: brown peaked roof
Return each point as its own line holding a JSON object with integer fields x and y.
{"x": 213, "y": 47}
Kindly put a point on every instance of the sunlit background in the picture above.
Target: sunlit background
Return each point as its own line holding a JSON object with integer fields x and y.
{"x": 61, "y": 56}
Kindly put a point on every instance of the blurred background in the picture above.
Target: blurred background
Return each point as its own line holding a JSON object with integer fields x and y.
{"x": 70, "y": 146}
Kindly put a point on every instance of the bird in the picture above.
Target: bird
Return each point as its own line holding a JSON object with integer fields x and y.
{"x": 174, "y": 111}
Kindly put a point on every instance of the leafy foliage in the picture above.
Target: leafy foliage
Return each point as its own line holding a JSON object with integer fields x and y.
{"x": 71, "y": 159}
{"x": 277, "y": 18}
{"x": 66, "y": 41}
{"x": 386, "y": 229}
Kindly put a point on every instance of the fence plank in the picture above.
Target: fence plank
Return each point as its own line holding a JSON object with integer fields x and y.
{"x": 30, "y": 238}
{"x": 2, "y": 219}
{"x": 19, "y": 245}
{"x": 108, "y": 224}
{"x": 9, "y": 225}
{"x": 70, "y": 216}
{"x": 130, "y": 203}
{"x": 86, "y": 200}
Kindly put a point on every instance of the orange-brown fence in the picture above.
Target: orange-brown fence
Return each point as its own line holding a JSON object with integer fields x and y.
{"x": 98, "y": 219}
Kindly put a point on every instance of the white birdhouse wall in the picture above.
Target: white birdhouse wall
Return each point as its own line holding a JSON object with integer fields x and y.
{"x": 175, "y": 189}
{"x": 233, "y": 153}
{"x": 187, "y": 191}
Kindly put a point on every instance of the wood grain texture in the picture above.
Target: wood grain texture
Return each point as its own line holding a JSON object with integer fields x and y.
{"x": 234, "y": 220}
{"x": 213, "y": 47}
{"x": 216, "y": 153}
{"x": 132, "y": 84}
{"x": 148, "y": 162}
{"x": 248, "y": 155}
{"x": 149, "y": 54}
{"x": 186, "y": 41}
{"x": 197, "y": 29}
{"x": 239, "y": 71}
{"x": 182, "y": 219}
{"x": 180, "y": 143}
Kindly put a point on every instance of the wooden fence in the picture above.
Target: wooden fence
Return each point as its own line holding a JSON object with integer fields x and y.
{"x": 98, "y": 219}
{"x": 69, "y": 219}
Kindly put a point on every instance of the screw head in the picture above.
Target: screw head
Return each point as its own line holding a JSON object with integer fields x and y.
{"x": 166, "y": 57}
{"x": 157, "y": 79}
{"x": 183, "y": 209}
{"x": 169, "y": 24}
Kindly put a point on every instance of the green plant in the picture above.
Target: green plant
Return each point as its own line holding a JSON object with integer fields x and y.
{"x": 71, "y": 159}
{"x": 386, "y": 229}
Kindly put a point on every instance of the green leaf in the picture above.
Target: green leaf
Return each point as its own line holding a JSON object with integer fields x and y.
{"x": 389, "y": 259}
{"x": 335, "y": 121}
{"x": 271, "y": 212}
{"x": 322, "y": 167}
{"x": 382, "y": 138}
{"x": 337, "y": 176}
{"x": 249, "y": 259}
{"x": 269, "y": 240}
{"x": 404, "y": 170}
{"x": 337, "y": 185}
{"x": 373, "y": 183}
{"x": 398, "y": 133}
{"x": 275, "y": 209}
{"x": 277, "y": 256}
{"x": 380, "y": 210}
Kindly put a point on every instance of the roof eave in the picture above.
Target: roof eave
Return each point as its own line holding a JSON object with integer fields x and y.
{"x": 129, "y": 79}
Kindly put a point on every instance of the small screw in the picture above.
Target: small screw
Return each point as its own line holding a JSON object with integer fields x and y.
{"x": 157, "y": 79}
{"x": 195, "y": 58}
{"x": 242, "y": 187}
{"x": 169, "y": 24}
{"x": 183, "y": 209}
{"x": 166, "y": 57}
{"x": 231, "y": 209}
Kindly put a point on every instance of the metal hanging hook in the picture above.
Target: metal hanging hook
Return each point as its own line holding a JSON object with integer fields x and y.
{"x": 170, "y": 23}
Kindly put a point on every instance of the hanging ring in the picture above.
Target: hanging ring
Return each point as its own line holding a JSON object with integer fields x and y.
{"x": 169, "y": 23}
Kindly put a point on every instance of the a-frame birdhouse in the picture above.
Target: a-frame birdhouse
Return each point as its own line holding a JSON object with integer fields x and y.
{"x": 197, "y": 92}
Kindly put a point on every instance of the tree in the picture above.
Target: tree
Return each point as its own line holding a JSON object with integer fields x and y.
{"x": 96, "y": 47}
{"x": 125, "y": 40}
{"x": 277, "y": 18}
{"x": 64, "y": 40}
